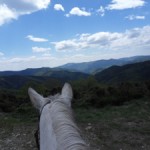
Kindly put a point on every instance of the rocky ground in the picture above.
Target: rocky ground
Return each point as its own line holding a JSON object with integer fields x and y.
{"x": 112, "y": 128}
{"x": 99, "y": 136}
{"x": 20, "y": 136}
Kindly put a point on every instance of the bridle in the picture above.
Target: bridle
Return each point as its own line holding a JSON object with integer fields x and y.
{"x": 37, "y": 132}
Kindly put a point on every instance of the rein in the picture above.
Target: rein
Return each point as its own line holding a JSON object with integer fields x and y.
{"x": 37, "y": 132}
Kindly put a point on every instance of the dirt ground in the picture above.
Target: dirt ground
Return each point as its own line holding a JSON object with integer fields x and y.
{"x": 111, "y": 131}
{"x": 17, "y": 137}
{"x": 99, "y": 136}
{"x": 20, "y": 136}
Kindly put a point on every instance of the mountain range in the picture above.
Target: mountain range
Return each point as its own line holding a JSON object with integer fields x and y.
{"x": 99, "y": 65}
{"x": 18, "y": 79}
{"x": 82, "y": 69}
{"x": 138, "y": 70}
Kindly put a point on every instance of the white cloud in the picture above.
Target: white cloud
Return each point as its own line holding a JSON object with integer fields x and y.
{"x": 36, "y": 39}
{"x": 100, "y": 45}
{"x": 65, "y": 45}
{"x": 47, "y": 54}
{"x": 133, "y": 17}
{"x": 101, "y": 11}
{"x": 10, "y": 10}
{"x": 86, "y": 41}
{"x": 78, "y": 12}
{"x": 59, "y": 7}
{"x": 137, "y": 38}
{"x": 125, "y": 4}
{"x": 40, "y": 49}
{"x": 19, "y": 63}
{"x": 6, "y": 14}
{"x": 72, "y": 44}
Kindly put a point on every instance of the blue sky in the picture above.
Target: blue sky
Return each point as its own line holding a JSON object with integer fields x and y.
{"x": 44, "y": 33}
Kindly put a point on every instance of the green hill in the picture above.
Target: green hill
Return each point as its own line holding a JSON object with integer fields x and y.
{"x": 27, "y": 72}
{"x": 131, "y": 72}
{"x": 18, "y": 81}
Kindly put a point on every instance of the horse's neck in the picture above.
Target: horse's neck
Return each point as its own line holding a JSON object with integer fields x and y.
{"x": 47, "y": 135}
{"x": 58, "y": 131}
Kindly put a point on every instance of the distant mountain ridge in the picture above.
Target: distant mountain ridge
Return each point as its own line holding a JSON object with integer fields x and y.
{"x": 17, "y": 79}
{"x": 114, "y": 74}
{"x": 130, "y": 72}
{"x": 72, "y": 70}
{"x": 28, "y": 72}
{"x": 99, "y": 65}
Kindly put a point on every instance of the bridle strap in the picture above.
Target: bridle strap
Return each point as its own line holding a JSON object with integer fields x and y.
{"x": 44, "y": 106}
{"x": 37, "y": 138}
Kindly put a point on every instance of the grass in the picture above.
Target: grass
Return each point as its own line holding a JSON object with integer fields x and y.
{"x": 135, "y": 109}
{"x": 132, "y": 110}
{"x": 126, "y": 125}
{"x": 122, "y": 127}
{"x": 25, "y": 114}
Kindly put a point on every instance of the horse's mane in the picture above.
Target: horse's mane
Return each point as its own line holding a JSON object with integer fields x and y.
{"x": 67, "y": 133}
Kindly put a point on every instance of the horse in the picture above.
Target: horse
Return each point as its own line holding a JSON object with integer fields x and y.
{"x": 57, "y": 127}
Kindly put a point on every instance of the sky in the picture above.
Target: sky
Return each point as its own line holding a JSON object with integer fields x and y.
{"x": 50, "y": 33}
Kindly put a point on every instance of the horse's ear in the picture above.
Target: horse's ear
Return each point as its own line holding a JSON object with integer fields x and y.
{"x": 37, "y": 100}
{"x": 67, "y": 93}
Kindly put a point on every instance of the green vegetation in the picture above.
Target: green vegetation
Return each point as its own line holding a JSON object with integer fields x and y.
{"x": 113, "y": 86}
{"x": 88, "y": 93}
{"x": 131, "y": 72}
{"x": 109, "y": 113}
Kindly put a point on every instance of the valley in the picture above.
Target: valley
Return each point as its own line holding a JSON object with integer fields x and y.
{"x": 110, "y": 104}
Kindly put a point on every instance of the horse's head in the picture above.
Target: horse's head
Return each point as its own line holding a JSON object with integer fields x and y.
{"x": 58, "y": 130}
{"x": 39, "y": 101}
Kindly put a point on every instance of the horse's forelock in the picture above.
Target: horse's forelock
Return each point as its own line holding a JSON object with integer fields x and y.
{"x": 54, "y": 97}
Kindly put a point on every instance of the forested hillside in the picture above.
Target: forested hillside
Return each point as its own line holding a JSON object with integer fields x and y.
{"x": 124, "y": 83}
{"x": 131, "y": 72}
